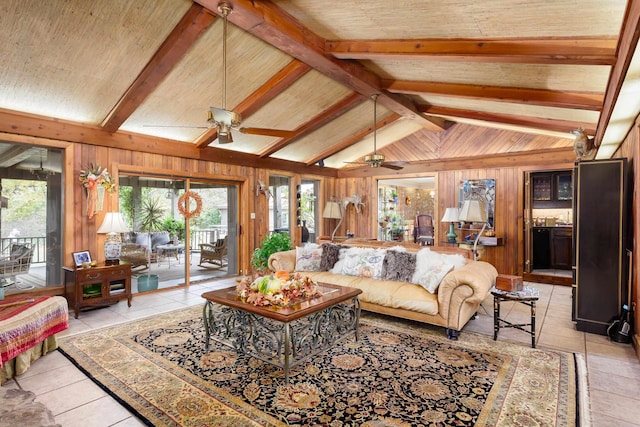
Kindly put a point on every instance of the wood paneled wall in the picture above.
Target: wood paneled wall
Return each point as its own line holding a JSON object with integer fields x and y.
{"x": 631, "y": 150}
{"x": 509, "y": 258}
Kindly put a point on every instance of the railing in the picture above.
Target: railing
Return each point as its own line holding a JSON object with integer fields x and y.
{"x": 39, "y": 245}
{"x": 209, "y": 235}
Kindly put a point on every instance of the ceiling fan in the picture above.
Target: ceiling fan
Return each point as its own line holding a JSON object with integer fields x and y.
{"x": 376, "y": 160}
{"x": 224, "y": 120}
{"x": 221, "y": 118}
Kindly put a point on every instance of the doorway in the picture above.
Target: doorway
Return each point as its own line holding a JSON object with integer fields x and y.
{"x": 549, "y": 226}
{"x": 163, "y": 243}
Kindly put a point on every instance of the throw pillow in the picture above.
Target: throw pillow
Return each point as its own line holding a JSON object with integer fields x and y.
{"x": 431, "y": 280}
{"x": 330, "y": 255}
{"x": 431, "y": 267}
{"x": 399, "y": 265}
{"x": 362, "y": 262}
{"x": 308, "y": 258}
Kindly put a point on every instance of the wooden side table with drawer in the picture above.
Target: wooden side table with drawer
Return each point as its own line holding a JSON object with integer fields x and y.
{"x": 97, "y": 286}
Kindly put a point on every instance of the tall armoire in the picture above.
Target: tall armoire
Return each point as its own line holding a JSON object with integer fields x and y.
{"x": 600, "y": 243}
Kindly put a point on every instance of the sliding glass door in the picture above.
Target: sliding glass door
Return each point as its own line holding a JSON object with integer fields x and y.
{"x": 163, "y": 247}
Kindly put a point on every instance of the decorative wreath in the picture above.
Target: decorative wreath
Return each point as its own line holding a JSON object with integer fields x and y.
{"x": 184, "y": 204}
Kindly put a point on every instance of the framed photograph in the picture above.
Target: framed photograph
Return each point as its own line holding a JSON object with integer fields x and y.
{"x": 80, "y": 257}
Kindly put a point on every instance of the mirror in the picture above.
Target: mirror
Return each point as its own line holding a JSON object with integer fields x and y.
{"x": 483, "y": 190}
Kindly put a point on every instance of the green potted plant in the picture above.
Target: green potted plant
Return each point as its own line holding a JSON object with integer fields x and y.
{"x": 175, "y": 229}
{"x": 274, "y": 242}
{"x": 150, "y": 220}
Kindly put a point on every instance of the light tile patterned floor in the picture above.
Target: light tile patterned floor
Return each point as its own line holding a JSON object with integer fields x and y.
{"x": 613, "y": 369}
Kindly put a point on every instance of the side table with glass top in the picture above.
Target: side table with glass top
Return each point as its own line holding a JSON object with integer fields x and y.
{"x": 527, "y": 298}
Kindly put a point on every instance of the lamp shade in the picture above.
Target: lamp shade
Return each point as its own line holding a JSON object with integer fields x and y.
{"x": 113, "y": 223}
{"x": 450, "y": 215}
{"x": 332, "y": 210}
{"x": 473, "y": 211}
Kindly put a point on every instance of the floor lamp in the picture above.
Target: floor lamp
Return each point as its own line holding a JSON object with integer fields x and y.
{"x": 332, "y": 211}
{"x": 474, "y": 211}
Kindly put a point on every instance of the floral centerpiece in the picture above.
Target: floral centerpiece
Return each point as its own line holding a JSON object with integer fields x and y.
{"x": 280, "y": 289}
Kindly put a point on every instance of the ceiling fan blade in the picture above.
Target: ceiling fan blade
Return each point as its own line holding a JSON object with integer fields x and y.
{"x": 176, "y": 126}
{"x": 391, "y": 166}
{"x": 280, "y": 133}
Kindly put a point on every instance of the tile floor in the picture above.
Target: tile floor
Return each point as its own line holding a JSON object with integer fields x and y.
{"x": 613, "y": 369}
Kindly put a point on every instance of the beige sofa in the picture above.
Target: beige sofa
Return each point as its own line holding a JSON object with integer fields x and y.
{"x": 455, "y": 301}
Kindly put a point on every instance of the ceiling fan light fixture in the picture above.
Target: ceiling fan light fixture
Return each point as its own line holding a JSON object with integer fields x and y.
{"x": 224, "y": 134}
{"x": 374, "y": 160}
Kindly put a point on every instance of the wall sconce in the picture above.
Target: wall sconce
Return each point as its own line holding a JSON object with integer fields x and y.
{"x": 451, "y": 216}
{"x": 113, "y": 225}
{"x": 332, "y": 211}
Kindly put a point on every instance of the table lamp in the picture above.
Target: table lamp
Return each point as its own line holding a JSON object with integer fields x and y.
{"x": 113, "y": 225}
{"x": 332, "y": 211}
{"x": 474, "y": 211}
{"x": 451, "y": 215}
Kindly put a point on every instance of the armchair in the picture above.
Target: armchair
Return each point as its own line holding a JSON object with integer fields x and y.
{"x": 18, "y": 262}
{"x": 423, "y": 230}
{"x": 134, "y": 254}
{"x": 214, "y": 253}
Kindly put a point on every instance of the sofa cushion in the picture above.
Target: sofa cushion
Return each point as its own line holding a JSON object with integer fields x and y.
{"x": 330, "y": 255}
{"x": 308, "y": 257}
{"x": 388, "y": 293}
{"x": 399, "y": 265}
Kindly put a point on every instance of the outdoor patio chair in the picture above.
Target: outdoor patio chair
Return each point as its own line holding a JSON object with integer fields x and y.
{"x": 214, "y": 253}
{"x": 18, "y": 262}
{"x": 135, "y": 254}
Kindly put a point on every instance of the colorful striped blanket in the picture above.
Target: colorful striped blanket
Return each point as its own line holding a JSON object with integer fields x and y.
{"x": 26, "y": 321}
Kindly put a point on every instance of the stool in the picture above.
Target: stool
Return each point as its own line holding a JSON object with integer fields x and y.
{"x": 528, "y": 300}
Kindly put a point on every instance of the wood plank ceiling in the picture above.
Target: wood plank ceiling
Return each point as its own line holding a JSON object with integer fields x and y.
{"x": 455, "y": 79}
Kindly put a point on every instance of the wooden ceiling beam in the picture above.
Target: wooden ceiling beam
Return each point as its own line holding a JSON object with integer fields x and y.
{"x": 192, "y": 25}
{"x": 336, "y": 148}
{"x": 629, "y": 35}
{"x": 263, "y": 95}
{"x": 549, "y": 98}
{"x": 326, "y": 116}
{"x": 270, "y": 23}
{"x": 16, "y": 123}
{"x": 509, "y": 119}
{"x": 551, "y": 50}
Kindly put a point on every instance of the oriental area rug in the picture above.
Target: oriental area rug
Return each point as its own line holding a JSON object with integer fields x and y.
{"x": 396, "y": 374}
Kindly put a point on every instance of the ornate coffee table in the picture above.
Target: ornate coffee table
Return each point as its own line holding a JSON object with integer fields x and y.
{"x": 282, "y": 336}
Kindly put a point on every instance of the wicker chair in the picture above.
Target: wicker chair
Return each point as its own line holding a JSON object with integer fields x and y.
{"x": 18, "y": 262}
{"x": 135, "y": 254}
{"x": 214, "y": 253}
{"x": 423, "y": 230}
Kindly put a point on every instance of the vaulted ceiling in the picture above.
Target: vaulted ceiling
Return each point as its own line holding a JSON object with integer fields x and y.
{"x": 454, "y": 78}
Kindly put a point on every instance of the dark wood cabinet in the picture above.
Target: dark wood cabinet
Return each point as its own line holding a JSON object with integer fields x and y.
{"x": 541, "y": 248}
{"x": 97, "y": 286}
{"x": 601, "y": 242}
{"x": 561, "y": 248}
{"x": 552, "y": 189}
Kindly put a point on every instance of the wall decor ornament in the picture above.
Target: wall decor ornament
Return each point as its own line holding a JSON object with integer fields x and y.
{"x": 185, "y": 206}
{"x": 97, "y": 181}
